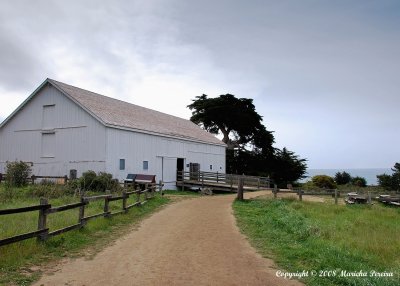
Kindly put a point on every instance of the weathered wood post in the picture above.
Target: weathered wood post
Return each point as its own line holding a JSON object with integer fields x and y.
{"x": 275, "y": 191}
{"x": 183, "y": 181}
{"x": 369, "y": 197}
{"x": 138, "y": 196}
{"x": 217, "y": 177}
{"x": 81, "y": 220}
{"x": 202, "y": 180}
{"x": 42, "y": 221}
{"x": 125, "y": 197}
{"x": 145, "y": 192}
{"x": 106, "y": 205}
{"x": 336, "y": 197}
{"x": 161, "y": 187}
{"x": 258, "y": 183}
{"x": 300, "y": 192}
{"x": 33, "y": 179}
{"x": 240, "y": 189}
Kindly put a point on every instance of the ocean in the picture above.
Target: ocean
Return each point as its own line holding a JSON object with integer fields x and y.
{"x": 369, "y": 174}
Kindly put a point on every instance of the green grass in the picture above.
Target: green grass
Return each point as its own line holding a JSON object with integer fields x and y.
{"x": 16, "y": 260}
{"x": 324, "y": 237}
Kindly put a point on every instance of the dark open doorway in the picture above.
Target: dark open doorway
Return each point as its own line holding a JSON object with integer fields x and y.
{"x": 180, "y": 164}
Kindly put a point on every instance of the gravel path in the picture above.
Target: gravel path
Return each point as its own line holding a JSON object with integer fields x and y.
{"x": 191, "y": 242}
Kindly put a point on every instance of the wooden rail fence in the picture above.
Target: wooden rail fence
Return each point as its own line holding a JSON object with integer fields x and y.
{"x": 33, "y": 178}
{"x": 300, "y": 193}
{"x": 221, "y": 181}
{"x": 45, "y": 209}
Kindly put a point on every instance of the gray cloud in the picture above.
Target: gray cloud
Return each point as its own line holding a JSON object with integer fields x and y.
{"x": 318, "y": 71}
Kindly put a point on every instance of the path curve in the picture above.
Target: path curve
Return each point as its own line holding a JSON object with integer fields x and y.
{"x": 191, "y": 242}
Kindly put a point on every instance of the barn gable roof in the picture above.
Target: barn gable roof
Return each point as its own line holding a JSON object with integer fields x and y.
{"x": 123, "y": 115}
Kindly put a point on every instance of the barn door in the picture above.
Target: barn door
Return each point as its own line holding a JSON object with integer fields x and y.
{"x": 169, "y": 170}
{"x": 180, "y": 163}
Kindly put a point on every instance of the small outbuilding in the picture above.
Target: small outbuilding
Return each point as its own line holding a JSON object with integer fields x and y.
{"x": 61, "y": 130}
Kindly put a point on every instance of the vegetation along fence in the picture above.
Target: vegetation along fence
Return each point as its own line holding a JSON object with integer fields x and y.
{"x": 45, "y": 209}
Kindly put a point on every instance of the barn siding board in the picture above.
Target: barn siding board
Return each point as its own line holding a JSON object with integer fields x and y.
{"x": 159, "y": 151}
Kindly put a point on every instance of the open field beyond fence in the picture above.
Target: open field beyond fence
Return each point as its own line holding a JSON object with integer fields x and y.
{"x": 329, "y": 239}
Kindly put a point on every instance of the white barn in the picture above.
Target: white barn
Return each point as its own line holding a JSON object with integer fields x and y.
{"x": 60, "y": 127}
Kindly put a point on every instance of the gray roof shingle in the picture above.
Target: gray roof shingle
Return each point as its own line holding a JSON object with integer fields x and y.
{"x": 114, "y": 112}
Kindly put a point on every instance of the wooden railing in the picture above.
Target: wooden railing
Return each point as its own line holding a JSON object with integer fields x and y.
{"x": 33, "y": 178}
{"x": 204, "y": 178}
{"x": 45, "y": 209}
{"x": 334, "y": 193}
{"x": 63, "y": 179}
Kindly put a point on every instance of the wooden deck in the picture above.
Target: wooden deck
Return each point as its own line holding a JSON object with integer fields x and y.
{"x": 221, "y": 182}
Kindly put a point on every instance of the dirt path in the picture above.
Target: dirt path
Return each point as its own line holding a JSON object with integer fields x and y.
{"x": 191, "y": 242}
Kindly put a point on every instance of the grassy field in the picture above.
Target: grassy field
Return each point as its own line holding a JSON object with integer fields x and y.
{"x": 325, "y": 239}
{"x": 17, "y": 261}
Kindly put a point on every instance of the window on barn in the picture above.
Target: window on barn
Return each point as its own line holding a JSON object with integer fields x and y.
{"x": 122, "y": 164}
{"x": 48, "y": 144}
{"x": 48, "y": 116}
{"x": 210, "y": 167}
{"x": 145, "y": 165}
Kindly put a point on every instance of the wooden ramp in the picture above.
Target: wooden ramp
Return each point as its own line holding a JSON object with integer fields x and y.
{"x": 221, "y": 182}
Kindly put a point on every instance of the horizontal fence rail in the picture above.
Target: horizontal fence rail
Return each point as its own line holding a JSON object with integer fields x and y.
{"x": 334, "y": 193}
{"x": 222, "y": 180}
{"x": 45, "y": 209}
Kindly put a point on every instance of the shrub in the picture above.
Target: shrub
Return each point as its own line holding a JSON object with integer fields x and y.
{"x": 307, "y": 186}
{"x": 342, "y": 178}
{"x": 17, "y": 173}
{"x": 386, "y": 181}
{"x": 90, "y": 181}
{"x": 390, "y": 182}
{"x": 324, "y": 181}
{"x": 86, "y": 182}
{"x": 49, "y": 191}
{"x": 359, "y": 182}
{"x": 104, "y": 181}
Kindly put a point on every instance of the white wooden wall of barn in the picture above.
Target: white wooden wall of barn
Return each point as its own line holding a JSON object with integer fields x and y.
{"x": 55, "y": 134}
{"x": 161, "y": 153}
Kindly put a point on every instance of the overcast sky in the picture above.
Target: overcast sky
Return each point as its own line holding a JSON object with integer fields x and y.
{"x": 325, "y": 75}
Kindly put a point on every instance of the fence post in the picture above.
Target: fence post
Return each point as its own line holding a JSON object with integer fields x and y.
{"x": 146, "y": 192}
{"x": 65, "y": 179}
{"x": 183, "y": 181}
{"x": 106, "y": 205}
{"x": 202, "y": 180}
{"x": 231, "y": 182}
{"x": 33, "y": 179}
{"x": 161, "y": 186}
{"x": 217, "y": 177}
{"x": 240, "y": 189}
{"x": 336, "y": 197}
{"x": 369, "y": 197}
{"x": 300, "y": 192}
{"x": 81, "y": 221}
{"x": 275, "y": 191}
{"x": 138, "y": 196}
{"x": 42, "y": 221}
{"x": 124, "y": 198}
